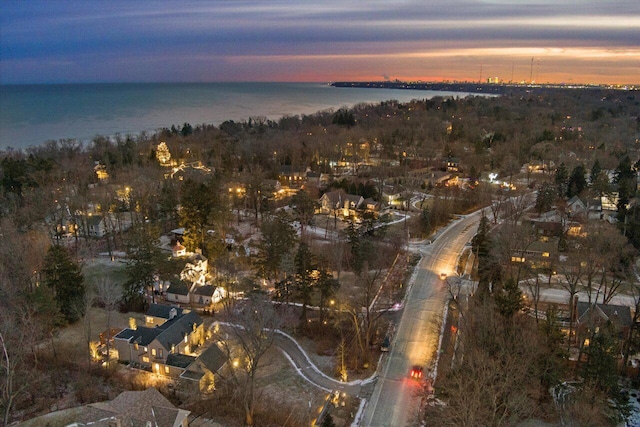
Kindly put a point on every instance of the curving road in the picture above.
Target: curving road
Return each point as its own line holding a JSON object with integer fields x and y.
{"x": 395, "y": 401}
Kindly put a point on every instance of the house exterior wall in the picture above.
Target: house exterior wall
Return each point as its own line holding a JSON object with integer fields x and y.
{"x": 177, "y": 297}
{"x": 123, "y": 347}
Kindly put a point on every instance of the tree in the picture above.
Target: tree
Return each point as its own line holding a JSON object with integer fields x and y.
{"x": 545, "y": 197}
{"x": 200, "y": 206}
{"x": 254, "y": 329}
{"x": 561, "y": 179}
{"x": 488, "y": 269}
{"x": 327, "y": 288}
{"x": 64, "y": 277}
{"x": 303, "y": 209}
{"x": 426, "y": 225}
{"x": 599, "y": 184}
{"x": 626, "y": 181}
{"x": 509, "y": 299}
{"x": 278, "y": 237}
{"x": 305, "y": 279}
{"x": 600, "y": 370}
{"x": 577, "y": 182}
{"x": 109, "y": 295}
{"x": 143, "y": 253}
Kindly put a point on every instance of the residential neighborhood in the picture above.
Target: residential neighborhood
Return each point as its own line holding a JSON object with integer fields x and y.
{"x": 335, "y": 266}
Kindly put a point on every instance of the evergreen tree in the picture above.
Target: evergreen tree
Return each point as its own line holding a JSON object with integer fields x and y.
{"x": 600, "y": 370}
{"x": 278, "y": 237}
{"x": 64, "y": 276}
{"x": 545, "y": 197}
{"x": 598, "y": 180}
{"x": 595, "y": 172}
{"x": 306, "y": 276}
{"x": 489, "y": 271}
{"x": 577, "y": 182}
{"x": 200, "y": 206}
{"x": 328, "y": 421}
{"x": 425, "y": 221}
{"x": 143, "y": 252}
{"x": 561, "y": 179}
{"x": 625, "y": 178}
{"x": 509, "y": 299}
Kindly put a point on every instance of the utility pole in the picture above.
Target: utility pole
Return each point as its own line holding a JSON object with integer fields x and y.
{"x": 531, "y": 72}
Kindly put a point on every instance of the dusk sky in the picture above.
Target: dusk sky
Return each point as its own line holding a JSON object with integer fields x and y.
{"x": 579, "y": 41}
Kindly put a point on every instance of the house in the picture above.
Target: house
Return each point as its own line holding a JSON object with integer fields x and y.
{"x": 595, "y": 315}
{"x": 290, "y": 176}
{"x": 590, "y": 317}
{"x": 157, "y": 314}
{"x": 178, "y": 250}
{"x": 372, "y": 206}
{"x": 205, "y": 296}
{"x": 129, "y": 409}
{"x": 204, "y": 368}
{"x": 96, "y": 226}
{"x": 436, "y": 178}
{"x": 339, "y": 203}
{"x": 148, "y": 407}
{"x": 453, "y": 164}
{"x": 178, "y": 291}
{"x": 577, "y": 207}
{"x": 149, "y": 347}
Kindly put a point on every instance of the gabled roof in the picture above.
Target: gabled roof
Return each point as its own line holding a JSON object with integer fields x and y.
{"x": 162, "y": 311}
{"x": 213, "y": 358}
{"x": 94, "y": 220}
{"x": 207, "y": 290}
{"x": 173, "y": 331}
{"x": 617, "y": 314}
{"x": 180, "y": 360}
{"x": 178, "y": 287}
{"x": 136, "y": 408}
{"x": 168, "y": 334}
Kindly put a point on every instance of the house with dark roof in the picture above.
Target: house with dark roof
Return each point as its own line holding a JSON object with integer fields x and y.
{"x": 158, "y": 314}
{"x": 129, "y": 409}
{"x": 591, "y": 317}
{"x": 340, "y": 203}
{"x": 178, "y": 291}
{"x": 149, "y": 347}
{"x": 205, "y": 296}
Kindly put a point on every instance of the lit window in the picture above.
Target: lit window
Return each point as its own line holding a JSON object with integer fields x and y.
{"x": 135, "y": 345}
{"x": 166, "y": 370}
{"x": 153, "y": 352}
{"x": 160, "y": 353}
{"x": 145, "y": 359}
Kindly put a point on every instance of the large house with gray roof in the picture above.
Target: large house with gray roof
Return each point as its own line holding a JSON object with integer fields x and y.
{"x": 149, "y": 347}
{"x": 170, "y": 344}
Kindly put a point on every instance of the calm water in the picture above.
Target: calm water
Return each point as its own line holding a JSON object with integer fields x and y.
{"x": 32, "y": 114}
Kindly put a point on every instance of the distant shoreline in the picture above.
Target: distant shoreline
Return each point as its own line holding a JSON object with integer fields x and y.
{"x": 471, "y": 87}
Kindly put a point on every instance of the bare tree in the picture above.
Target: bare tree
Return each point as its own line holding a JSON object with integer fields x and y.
{"x": 109, "y": 294}
{"x": 253, "y": 328}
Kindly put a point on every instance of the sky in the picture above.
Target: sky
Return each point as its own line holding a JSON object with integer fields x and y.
{"x": 546, "y": 41}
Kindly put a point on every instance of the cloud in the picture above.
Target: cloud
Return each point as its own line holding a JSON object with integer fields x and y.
{"x": 90, "y": 34}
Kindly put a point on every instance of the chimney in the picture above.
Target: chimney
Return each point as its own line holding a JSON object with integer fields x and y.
{"x": 172, "y": 313}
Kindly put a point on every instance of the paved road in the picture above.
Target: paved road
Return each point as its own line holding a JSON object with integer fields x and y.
{"x": 395, "y": 401}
